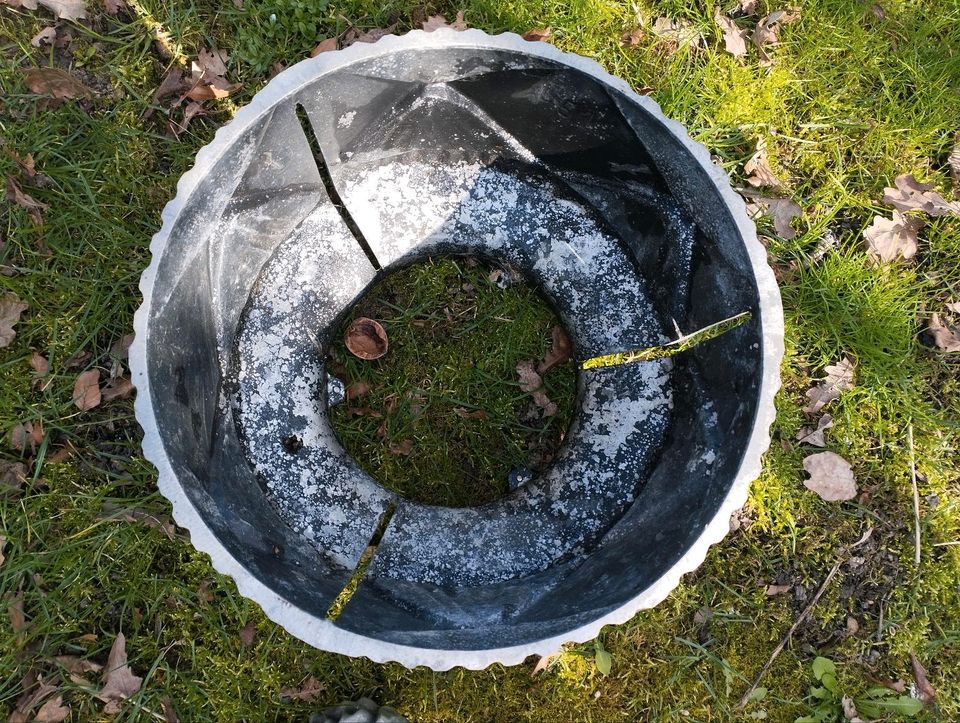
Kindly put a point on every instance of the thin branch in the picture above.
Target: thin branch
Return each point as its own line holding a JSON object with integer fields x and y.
{"x": 841, "y": 558}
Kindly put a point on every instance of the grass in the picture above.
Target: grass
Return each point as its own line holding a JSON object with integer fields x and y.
{"x": 853, "y": 101}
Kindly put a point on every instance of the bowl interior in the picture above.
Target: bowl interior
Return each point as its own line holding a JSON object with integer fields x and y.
{"x": 523, "y": 160}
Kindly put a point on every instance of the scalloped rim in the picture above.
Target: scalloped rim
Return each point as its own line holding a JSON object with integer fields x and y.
{"x": 322, "y": 633}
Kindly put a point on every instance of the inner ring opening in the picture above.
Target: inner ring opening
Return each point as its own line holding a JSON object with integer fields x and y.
{"x": 475, "y": 392}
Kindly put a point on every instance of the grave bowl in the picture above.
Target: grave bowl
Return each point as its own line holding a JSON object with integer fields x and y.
{"x": 358, "y": 162}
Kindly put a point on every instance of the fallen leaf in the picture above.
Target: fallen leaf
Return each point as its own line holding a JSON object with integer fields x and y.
{"x": 559, "y": 350}
{"x": 208, "y": 76}
{"x": 119, "y": 388}
{"x": 169, "y": 714}
{"x": 35, "y": 690}
{"x": 953, "y": 163}
{"x": 893, "y": 238}
{"x": 954, "y": 307}
{"x": 56, "y": 82}
{"x": 27, "y": 434}
{"x": 767, "y": 32}
{"x": 758, "y": 169}
{"x": 86, "y": 390}
{"x": 633, "y": 37}
{"x": 543, "y": 663}
{"x": 538, "y": 35}
{"x": 113, "y": 7}
{"x": 925, "y": 691}
{"x": 680, "y": 33}
{"x": 831, "y": 477}
{"x": 853, "y": 627}
{"x": 839, "y": 378}
{"x": 18, "y": 620}
{"x": 911, "y": 195}
{"x": 53, "y": 711}
{"x": 172, "y": 84}
{"x": 163, "y": 523}
{"x": 366, "y": 339}
{"x": 438, "y": 21}
{"x": 120, "y": 348}
{"x": 402, "y": 448}
{"x": 476, "y": 414}
{"x": 778, "y": 589}
{"x": 248, "y": 634}
{"x": 324, "y": 46}
{"x": 781, "y": 210}
{"x": 850, "y": 710}
{"x": 747, "y": 7}
{"x": 358, "y": 389}
{"x": 12, "y": 475}
{"x": 66, "y": 9}
{"x": 353, "y": 35}
{"x": 734, "y": 37}
{"x": 529, "y": 379}
{"x": 78, "y": 359}
{"x": 39, "y": 364}
{"x": 34, "y": 207}
{"x": 119, "y": 681}
{"x": 192, "y": 110}
{"x": 47, "y": 36}
{"x": 814, "y": 437}
{"x": 10, "y": 310}
{"x": 77, "y": 665}
{"x": 944, "y": 338}
{"x": 309, "y": 690}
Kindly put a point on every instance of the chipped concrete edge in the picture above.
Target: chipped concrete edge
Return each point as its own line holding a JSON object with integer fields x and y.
{"x": 320, "y": 632}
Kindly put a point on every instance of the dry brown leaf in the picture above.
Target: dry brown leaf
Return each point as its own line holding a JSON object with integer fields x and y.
{"x": 953, "y": 306}
{"x": 66, "y": 9}
{"x": 781, "y": 210}
{"x": 119, "y": 681}
{"x": 814, "y": 437}
{"x": 12, "y": 475}
{"x": 944, "y": 338}
{"x": 76, "y": 665}
{"x": 953, "y": 163}
{"x": 353, "y": 35}
{"x": 366, "y": 339}
{"x": 172, "y": 84}
{"x": 679, "y": 33}
{"x": 163, "y": 523}
{"x": 925, "y": 691}
{"x": 113, "y": 7}
{"x": 18, "y": 620}
{"x": 403, "y": 448}
{"x": 25, "y": 200}
{"x": 208, "y": 76}
{"x": 39, "y": 364}
{"x": 119, "y": 388}
{"x": 767, "y": 31}
{"x": 358, "y": 389}
{"x": 55, "y": 82}
{"x": 86, "y": 390}
{"x": 734, "y": 37}
{"x": 35, "y": 690}
{"x": 438, "y": 21}
{"x": 27, "y": 434}
{"x": 778, "y": 589}
{"x": 47, "y": 36}
{"x": 308, "y": 691}
{"x": 10, "y": 310}
{"x": 747, "y": 7}
{"x": 476, "y": 414}
{"x": 850, "y": 710}
{"x": 53, "y": 711}
{"x": 192, "y": 110}
{"x": 757, "y": 168}
{"x": 632, "y": 38}
{"x": 911, "y": 195}
{"x": 559, "y": 350}
{"x": 324, "y": 46}
{"x": 120, "y": 348}
{"x": 889, "y": 239}
{"x": 542, "y": 35}
{"x": 543, "y": 663}
{"x": 248, "y": 634}
{"x": 839, "y": 378}
{"x": 169, "y": 713}
{"x": 529, "y": 379}
{"x": 831, "y": 477}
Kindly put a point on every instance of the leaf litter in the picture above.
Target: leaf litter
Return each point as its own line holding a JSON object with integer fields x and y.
{"x": 119, "y": 681}
{"x": 11, "y": 308}
{"x": 831, "y": 477}
{"x": 839, "y": 378}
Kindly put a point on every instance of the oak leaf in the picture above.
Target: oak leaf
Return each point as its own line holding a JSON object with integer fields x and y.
{"x": 831, "y": 477}
{"x": 893, "y": 238}
{"x": 734, "y": 37}
{"x": 16, "y": 196}
{"x": 10, "y": 310}
{"x": 119, "y": 681}
{"x": 56, "y": 82}
{"x": 944, "y": 338}
{"x": 911, "y": 195}
{"x": 86, "y": 390}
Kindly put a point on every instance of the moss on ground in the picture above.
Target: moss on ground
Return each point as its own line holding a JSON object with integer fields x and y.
{"x": 853, "y": 100}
